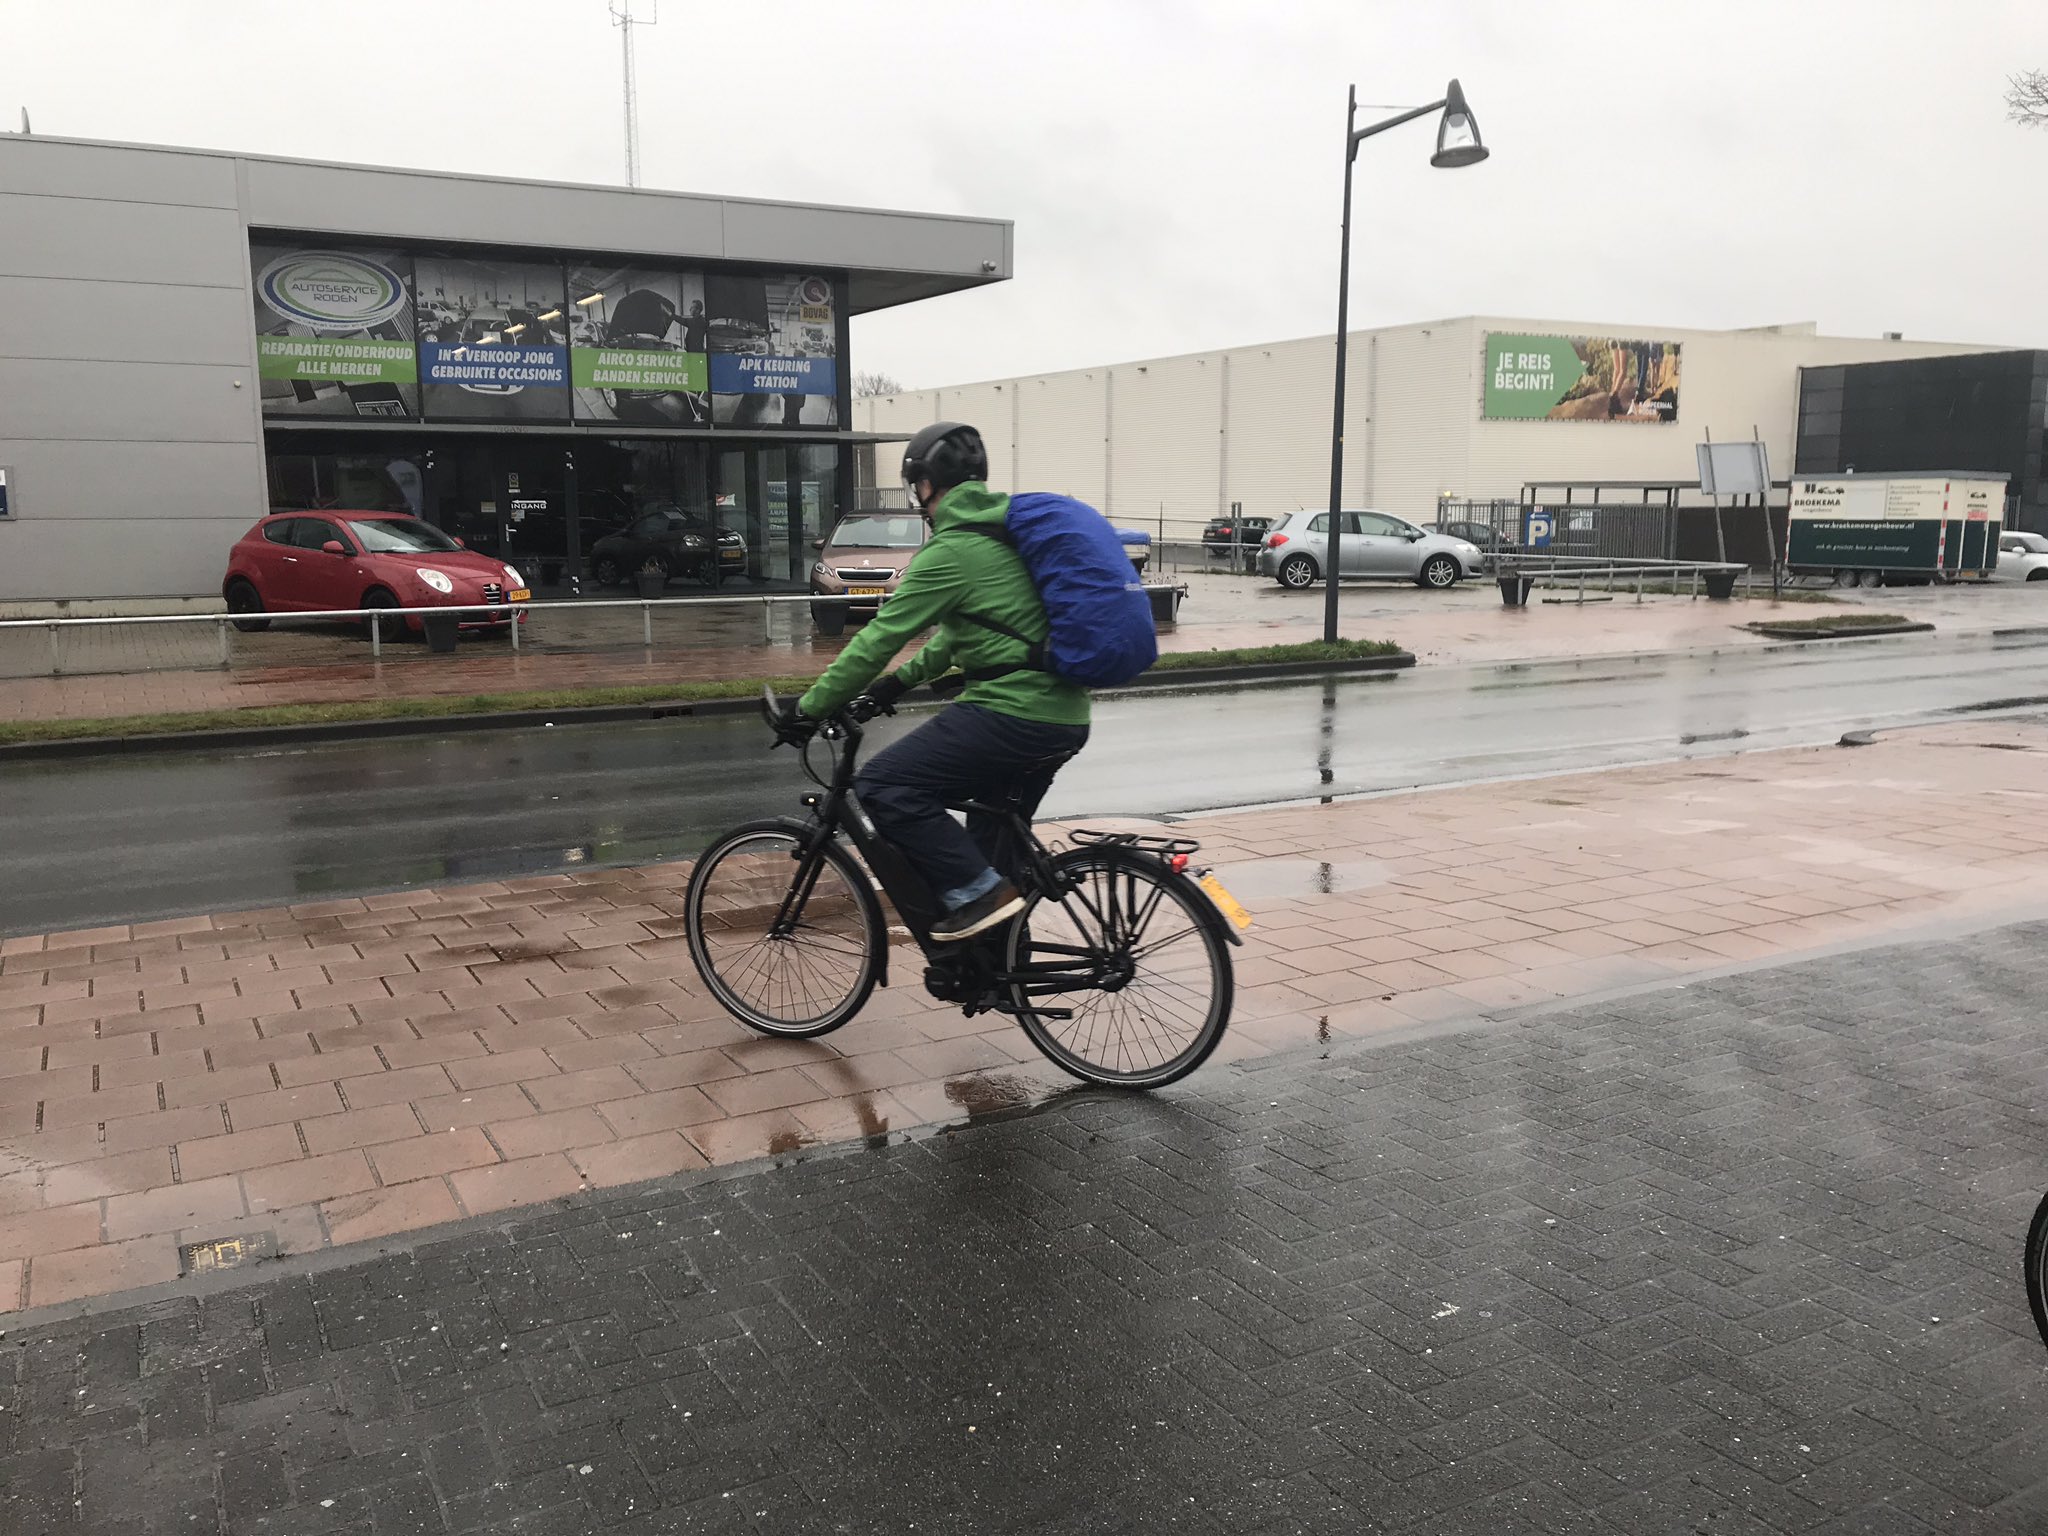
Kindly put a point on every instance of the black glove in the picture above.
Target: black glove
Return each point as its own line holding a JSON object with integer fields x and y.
{"x": 884, "y": 691}
{"x": 792, "y": 726}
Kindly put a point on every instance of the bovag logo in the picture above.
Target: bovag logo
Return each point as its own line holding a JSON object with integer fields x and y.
{"x": 331, "y": 291}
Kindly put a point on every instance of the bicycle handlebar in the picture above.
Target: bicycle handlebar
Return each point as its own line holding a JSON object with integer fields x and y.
{"x": 845, "y": 721}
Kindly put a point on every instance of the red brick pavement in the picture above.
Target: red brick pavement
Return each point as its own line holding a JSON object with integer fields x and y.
{"x": 336, "y": 1071}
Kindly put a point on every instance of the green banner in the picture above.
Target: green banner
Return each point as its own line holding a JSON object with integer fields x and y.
{"x": 330, "y": 358}
{"x": 637, "y": 369}
{"x": 1579, "y": 378}
{"x": 1869, "y": 545}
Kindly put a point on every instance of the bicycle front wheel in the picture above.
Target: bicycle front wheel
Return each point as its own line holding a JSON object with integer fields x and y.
{"x": 787, "y": 948}
{"x": 2037, "y": 1268}
{"x": 1136, "y": 954}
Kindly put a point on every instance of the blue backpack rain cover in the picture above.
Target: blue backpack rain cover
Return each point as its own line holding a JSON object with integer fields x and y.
{"x": 1100, "y": 620}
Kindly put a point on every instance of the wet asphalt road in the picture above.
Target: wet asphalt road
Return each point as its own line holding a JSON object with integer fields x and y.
{"x": 136, "y": 837}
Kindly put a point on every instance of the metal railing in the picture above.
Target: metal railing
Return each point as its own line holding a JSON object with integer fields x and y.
{"x": 1592, "y": 572}
{"x": 505, "y": 614}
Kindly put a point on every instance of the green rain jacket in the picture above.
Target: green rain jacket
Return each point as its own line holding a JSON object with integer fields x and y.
{"x": 959, "y": 571}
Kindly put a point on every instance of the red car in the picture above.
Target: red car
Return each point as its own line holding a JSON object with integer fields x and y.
{"x": 324, "y": 561}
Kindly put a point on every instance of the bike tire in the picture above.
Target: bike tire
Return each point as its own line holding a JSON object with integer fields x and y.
{"x": 2037, "y": 1268}
{"x": 858, "y": 939}
{"x": 1092, "y": 879}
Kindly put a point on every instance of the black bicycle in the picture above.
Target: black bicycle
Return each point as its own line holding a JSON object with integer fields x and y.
{"x": 2037, "y": 1268}
{"x": 1118, "y": 968}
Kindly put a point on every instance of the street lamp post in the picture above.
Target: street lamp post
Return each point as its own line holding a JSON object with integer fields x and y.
{"x": 1457, "y": 144}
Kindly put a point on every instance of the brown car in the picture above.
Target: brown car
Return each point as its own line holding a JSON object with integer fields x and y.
{"x": 860, "y": 562}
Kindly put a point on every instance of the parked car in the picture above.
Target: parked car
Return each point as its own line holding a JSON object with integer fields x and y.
{"x": 1296, "y": 551}
{"x": 1481, "y": 536}
{"x": 1226, "y": 533}
{"x": 670, "y": 542}
{"x": 861, "y": 560}
{"x": 309, "y": 562}
{"x": 2022, "y": 557}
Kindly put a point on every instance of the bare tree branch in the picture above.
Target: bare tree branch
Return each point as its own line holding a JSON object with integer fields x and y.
{"x": 2026, "y": 98}
{"x": 865, "y": 383}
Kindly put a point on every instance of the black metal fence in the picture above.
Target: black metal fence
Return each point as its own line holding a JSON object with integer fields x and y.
{"x": 1619, "y": 531}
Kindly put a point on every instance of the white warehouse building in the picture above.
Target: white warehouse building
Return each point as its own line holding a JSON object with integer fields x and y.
{"x": 1466, "y": 409}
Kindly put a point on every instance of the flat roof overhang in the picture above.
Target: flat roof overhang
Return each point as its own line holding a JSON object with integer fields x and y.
{"x": 891, "y": 256}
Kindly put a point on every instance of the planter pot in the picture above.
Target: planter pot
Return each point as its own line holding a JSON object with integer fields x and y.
{"x": 1720, "y": 585}
{"x": 650, "y": 586}
{"x": 442, "y": 631}
{"x": 1514, "y": 590}
{"x": 1165, "y": 604}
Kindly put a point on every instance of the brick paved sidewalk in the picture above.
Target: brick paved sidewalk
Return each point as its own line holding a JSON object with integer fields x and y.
{"x": 1738, "y": 1258}
{"x": 342, "y": 1070}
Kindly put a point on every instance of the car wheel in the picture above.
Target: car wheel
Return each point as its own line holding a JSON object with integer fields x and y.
{"x": 607, "y": 572}
{"x": 1439, "y": 573}
{"x": 389, "y": 629}
{"x": 2038, "y": 575}
{"x": 1297, "y": 573}
{"x": 829, "y": 617}
{"x": 242, "y": 599}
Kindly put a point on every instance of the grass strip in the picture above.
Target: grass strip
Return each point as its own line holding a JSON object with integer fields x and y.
{"x": 453, "y": 705}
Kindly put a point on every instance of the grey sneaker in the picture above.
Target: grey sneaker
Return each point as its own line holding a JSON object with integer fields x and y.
{"x": 979, "y": 915}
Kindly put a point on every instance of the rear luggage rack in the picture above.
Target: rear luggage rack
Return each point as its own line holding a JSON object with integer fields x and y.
{"x": 1166, "y": 847}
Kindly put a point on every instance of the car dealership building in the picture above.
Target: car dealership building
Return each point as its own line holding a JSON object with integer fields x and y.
{"x": 189, "y": 339}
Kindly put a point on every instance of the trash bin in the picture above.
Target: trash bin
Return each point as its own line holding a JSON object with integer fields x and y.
{"x": 1720, "y": 584}
{"x": 1514, "y": 590}
{"x": 442, "y": 629}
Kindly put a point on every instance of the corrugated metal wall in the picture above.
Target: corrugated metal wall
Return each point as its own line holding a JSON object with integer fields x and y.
{"x": 1184, "y": 437}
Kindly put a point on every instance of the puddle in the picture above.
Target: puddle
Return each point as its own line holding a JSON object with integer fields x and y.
{"x": 1275, "y": 879}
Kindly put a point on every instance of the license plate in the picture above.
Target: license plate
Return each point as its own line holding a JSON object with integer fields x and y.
{"x": 732, "y": 556}
{"x": 1226, "y": 903}
{"x": 866, "y": 591}
{"x": 520, "y": 594}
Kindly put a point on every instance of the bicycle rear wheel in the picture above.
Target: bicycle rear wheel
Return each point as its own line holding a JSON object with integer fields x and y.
{"x": 782, "y": 954}
{"x": 1138, "y": 955}
{"x": 2037, "y": 1268}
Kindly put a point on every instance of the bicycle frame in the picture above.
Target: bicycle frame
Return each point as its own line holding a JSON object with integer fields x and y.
{"x": 838, "y": 809}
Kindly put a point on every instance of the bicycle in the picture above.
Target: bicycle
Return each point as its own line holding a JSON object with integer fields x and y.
{"x": 2036, "y": 1262}
{"x": 1118, "y": 968}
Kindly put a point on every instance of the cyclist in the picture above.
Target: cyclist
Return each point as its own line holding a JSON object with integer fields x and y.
{"x": 1013, "y": 724}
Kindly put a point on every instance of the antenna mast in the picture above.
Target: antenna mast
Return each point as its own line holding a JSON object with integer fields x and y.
{"x": 624, "y": 19}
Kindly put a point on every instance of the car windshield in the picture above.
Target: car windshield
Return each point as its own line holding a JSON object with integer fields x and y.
{"x": 395, "y": 536}
{"x": 902, "y": 532}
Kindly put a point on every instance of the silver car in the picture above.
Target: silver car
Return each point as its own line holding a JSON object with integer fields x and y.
{"x": 1296, "y": 551}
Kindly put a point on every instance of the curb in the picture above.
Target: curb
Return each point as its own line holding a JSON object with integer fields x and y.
{"x": 1849, "y": 632}
{"x": 599, "y": 714}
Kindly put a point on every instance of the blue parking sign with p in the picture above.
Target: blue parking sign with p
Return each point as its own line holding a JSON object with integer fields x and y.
{"x": 1537, "y": 533}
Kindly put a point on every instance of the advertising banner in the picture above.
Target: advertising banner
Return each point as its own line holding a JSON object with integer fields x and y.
{"x": 1579, "y": 378}
{"x": 334, "y": 332}
{"x": 493, "y": 340}
{"x": 774, "y": 351}
{"x": 638, "y": 346}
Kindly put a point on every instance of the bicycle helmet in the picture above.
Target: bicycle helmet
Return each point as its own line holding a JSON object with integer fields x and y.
{"x": 947, "y": 453}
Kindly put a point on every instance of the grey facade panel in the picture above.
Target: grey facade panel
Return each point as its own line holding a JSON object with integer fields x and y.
{"x": 890, "y": 242}
{"x": 139, "y": 322}
{"x": 116, "y": 557}
{"x": 117, "y": 242}
{"x": 117, "y": 173}
{"x": 412, "y": 206}
{"x": 96, "y": 484}
{"x": 126, "y": 402}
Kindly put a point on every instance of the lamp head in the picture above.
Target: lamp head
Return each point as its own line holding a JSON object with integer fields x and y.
{"x": 1457, "y": 133}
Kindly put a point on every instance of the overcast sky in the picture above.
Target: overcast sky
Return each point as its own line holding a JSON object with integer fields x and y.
{"x": 1173, "y": 167}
